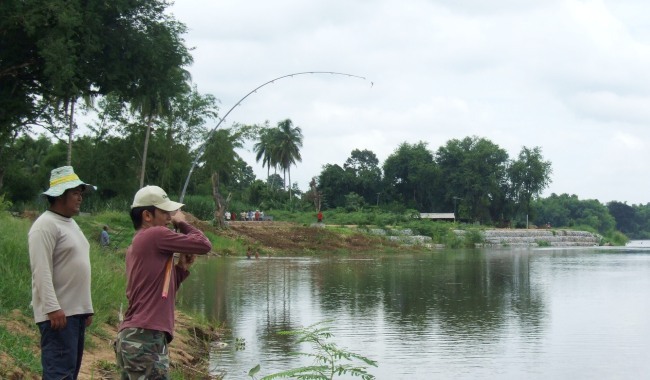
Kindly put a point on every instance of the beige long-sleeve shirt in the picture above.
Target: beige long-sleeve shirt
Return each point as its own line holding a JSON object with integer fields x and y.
{"x": 59, "y": 255}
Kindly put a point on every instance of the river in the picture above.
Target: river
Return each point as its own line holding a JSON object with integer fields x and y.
{"x": 449, "y": 314}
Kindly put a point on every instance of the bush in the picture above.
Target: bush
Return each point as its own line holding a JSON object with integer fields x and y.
{"x": 472, "y": 238}
{"x": 5, "y": 204}
{"x": 617, "y": 238}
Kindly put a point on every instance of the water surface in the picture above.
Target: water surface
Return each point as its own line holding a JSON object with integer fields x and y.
{"x": 476, "y": 314}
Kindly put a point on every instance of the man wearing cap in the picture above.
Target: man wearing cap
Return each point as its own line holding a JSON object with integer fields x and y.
{"x": 59, "y": 256}
{"x": 152, "y": 282}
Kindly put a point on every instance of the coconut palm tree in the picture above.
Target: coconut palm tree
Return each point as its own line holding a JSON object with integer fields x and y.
{"x": 264, "y": 149}
{"x": 287, "y": 145}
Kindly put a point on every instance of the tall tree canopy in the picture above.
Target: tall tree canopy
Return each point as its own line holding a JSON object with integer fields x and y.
{"x": 474, "y": 169}
{"x": 366, "y": 173}
{"x": 410, "y": 175}
{"x": 529, "y": 176}
{"x": 58, "y": 51}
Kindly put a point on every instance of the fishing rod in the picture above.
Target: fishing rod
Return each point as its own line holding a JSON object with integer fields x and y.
{"x": 201, "y": 148}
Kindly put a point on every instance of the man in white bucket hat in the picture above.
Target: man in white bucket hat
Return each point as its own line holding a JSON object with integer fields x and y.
{"x": 152, "y": 281}
{"x": 59, "y": 256}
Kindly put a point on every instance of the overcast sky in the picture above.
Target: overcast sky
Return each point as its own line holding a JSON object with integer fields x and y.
{"x": 572, "y": 77}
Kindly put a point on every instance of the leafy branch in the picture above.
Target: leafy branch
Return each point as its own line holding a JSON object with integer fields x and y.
{"x": 329, "y": 360}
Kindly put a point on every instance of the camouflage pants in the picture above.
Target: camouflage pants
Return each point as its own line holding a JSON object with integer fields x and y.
{"x": 142, "y": 354}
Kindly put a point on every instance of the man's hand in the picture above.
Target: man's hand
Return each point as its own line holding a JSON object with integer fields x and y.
{"x": 186, "y": 260}
{"x": 57, "y": 319}
{"x": 89, "y": 320}
{"x": 179, "y": 216}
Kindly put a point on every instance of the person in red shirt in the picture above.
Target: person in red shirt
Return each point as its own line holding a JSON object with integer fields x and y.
{"x": 148, "y": 325}
{"x": 319, "y": 216}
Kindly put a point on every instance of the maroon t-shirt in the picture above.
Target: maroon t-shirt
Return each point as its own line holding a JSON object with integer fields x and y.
{"x": 146, "y": 259}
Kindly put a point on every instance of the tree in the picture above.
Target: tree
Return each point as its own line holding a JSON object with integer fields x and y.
{"x": 59, "y": 51}
{"x": 264, "y": 148}
{"x": 286, "y": 147}
{"x": 529, "y": 176}
{"x": 154, "y": 100}
{"x": 569, "y": 211}
{"x": 220, "y": 155}
{"x": 474, "y": 169}
{"x": 334, "y": 183}
{"x": 364, "y": 166}
{"x": 411, "y": 175}
{"x": 25, "y": 173}
{"x": 625, "y": 217}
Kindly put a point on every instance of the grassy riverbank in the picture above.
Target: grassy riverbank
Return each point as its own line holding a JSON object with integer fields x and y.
{"x": 19, "y": 347}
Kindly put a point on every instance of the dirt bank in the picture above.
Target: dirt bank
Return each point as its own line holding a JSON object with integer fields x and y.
{"x": 188, "y": 351}
{"x": 289, "y": 238}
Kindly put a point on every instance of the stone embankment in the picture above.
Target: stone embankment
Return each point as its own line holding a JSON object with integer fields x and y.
{"x": 404, "y": 236}
{"x": 540, "y": 238}
{"x": 504, "y": 238}
{"x": 537, "y": 238}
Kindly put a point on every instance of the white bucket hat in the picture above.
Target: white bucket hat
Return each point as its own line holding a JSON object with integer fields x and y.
{"x": 62, "y": 179}
{"x": 154, "y": 196}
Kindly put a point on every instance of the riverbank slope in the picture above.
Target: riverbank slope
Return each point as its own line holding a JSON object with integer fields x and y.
{"x": 19, "y": 347}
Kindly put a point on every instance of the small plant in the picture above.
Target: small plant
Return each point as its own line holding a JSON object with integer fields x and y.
{"x": 542, "y": 243}
{"x": 329, "y": 359}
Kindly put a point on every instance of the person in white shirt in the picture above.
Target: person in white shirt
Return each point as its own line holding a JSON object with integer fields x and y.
{"x": 59, "y": 256}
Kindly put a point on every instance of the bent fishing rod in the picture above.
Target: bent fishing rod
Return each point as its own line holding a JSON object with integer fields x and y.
{"x": 201, "y": 149}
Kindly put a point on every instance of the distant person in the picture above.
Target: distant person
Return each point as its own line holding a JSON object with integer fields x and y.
{"x": 249, "y": 253}
{"x": 319, "y": 217}
{"x": 257, "y": 215}
{"x": 104, "y": 237}
{"x": 262, "y": 215}
{"x": 148, "y": 326}
{"x": 59, "y": 256}
{"x": 227, "y": 215}
{"x": 233, "y": 216}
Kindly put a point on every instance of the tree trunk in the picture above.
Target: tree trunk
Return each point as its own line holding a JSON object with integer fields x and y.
{"x": 289, "y": 172}
{"x": 316, "y": 194}
{"x": 144, "y": 152}
{"x": 70, "y": 132}
{"x": 219, "y": 203}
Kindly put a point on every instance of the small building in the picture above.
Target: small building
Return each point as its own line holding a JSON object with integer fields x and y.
{"x": 445, "y": 216}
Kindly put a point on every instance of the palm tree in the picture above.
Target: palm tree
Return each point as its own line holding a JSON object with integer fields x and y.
{"x": 264, "y": 149}
{"x": 154, "y": 99}
{"x": 288, "y": 144}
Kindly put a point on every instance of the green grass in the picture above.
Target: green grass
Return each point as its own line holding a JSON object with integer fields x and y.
{"x": 18, "y": 348}
{"x": 15, "y": 271}
{"x": 108, "y": 280}
{"x": 225, "y": 246}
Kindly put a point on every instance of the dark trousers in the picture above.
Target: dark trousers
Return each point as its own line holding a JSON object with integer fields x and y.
{"x": 62, "y": 350}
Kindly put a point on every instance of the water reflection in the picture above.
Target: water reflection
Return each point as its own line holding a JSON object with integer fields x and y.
{"x": 448, "y": 314}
